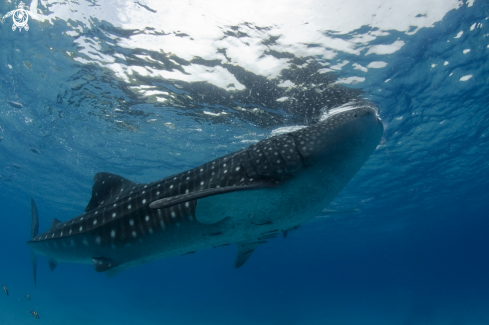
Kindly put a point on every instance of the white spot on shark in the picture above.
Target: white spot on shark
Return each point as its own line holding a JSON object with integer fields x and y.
{"x": 131, "y": 222}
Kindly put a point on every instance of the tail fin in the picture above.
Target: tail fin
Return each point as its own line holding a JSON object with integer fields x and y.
{"x": 34, "y": 231}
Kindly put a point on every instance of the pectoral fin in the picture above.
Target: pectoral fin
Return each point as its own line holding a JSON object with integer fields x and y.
{"x": 177, "y": 199}
{"x": 245, "y": 249}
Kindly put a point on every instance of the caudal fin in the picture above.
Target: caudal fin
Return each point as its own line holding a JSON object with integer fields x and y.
{"x": 34, "y": 232}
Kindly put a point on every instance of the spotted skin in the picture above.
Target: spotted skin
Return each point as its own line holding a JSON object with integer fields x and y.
{"x": 246, "y": 197}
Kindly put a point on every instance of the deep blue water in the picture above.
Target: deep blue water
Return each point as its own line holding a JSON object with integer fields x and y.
{"x": 417, "y": 250}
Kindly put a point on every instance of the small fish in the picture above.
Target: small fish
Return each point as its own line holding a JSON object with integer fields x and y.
{"x": 27, "y": 297}
{"x": 5, "y": 289}
{"x": 35, "y": 150}
{"x": 16, "y": 166}
{"x": 15, "y": 104}
{"x": 1, "y": 138}
{"x": 34, "y": 313}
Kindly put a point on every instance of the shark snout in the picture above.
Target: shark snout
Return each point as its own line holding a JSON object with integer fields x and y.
{"x": 348, "y": 127}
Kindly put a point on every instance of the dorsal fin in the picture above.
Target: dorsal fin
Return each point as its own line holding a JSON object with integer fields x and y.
{"x": 55, "y": 223}
{"x": 107, "y": 188}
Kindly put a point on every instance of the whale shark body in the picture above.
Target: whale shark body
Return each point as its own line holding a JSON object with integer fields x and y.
{"x": 245, "y": 197}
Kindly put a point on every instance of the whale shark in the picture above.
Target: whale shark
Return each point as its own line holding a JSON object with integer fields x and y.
{"x": 247, "y": 198}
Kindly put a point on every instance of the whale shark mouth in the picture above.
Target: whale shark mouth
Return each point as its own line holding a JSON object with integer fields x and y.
{"x": 328, "y": 112}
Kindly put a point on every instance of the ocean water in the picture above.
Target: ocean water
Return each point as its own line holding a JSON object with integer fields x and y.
{"x": 147, "y": 89}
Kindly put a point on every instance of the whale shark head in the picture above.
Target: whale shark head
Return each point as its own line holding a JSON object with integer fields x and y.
{"x": 351, "y": 129}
